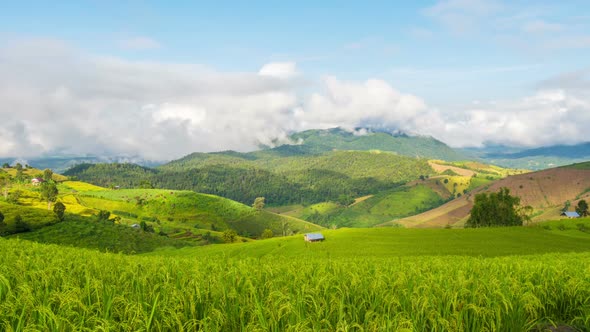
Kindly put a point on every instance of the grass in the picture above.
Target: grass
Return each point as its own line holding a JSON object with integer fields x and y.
{"x": 187, "y": 209}
{"x": 104, "y": 236}
{"x": 373, "y": 210}
{"x": 365, "y": 280}
{"x": 582, "y": 166}
{"x": 400, "y": 242}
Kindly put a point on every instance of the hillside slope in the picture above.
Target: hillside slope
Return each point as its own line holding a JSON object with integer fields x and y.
{"x": 317, "y": 141}
{"x": 281, "y": 180}
{"x": 546, "y": 191}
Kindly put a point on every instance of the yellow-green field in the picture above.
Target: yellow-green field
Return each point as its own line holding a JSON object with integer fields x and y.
{"x": 510, "y": 279}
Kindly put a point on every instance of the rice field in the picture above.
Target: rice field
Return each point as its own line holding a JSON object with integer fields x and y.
{"x": 252, "y": 287}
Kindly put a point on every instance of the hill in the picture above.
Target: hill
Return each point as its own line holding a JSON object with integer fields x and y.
{"x": 534, "y": 159}
{"x": 546, "y": 191}
{"x": 182, "y": 215}
{"x": 450, "y": 180}
{"x": 281, "y": 180}
{"x": 318, "y": 141}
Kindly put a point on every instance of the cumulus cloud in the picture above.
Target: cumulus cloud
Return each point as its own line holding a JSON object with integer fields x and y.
{"x": 279, "y": 69}
{"x": 54, "y": 98}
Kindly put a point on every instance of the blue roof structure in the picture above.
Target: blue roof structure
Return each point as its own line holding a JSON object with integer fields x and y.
{"x": 314, "y": 236}
{"x": 571, "y": 214}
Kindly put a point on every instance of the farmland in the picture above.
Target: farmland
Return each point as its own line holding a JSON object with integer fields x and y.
{"x": 513, "y": 279}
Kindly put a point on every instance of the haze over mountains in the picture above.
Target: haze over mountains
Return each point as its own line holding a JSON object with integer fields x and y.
{"x": 322, "y": 140}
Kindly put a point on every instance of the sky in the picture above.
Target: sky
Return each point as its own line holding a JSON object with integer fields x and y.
{"x": 161, "y": 79}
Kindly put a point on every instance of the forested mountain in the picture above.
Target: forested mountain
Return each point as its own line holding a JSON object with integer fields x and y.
{"x": 365, "y": 139}
{"x": 336, "y": 175}
{"x": 534, "y": 159}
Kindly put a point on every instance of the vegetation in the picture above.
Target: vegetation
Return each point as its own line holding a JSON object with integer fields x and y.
{"x": 497, "y": 209}
{"x": 281, "y": 180}
{"x": 374, "y": 280}
{"x": 84, "y": 233}
{"x": 373, "y": 210}
{"x": 582, "y": 208}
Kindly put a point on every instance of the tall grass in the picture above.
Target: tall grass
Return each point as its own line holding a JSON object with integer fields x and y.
{"x": 51, "y": 288}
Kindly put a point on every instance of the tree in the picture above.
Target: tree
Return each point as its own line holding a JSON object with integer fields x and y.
{"x": 59, "y": 209}
{"x": 103, "y": 215}
{"x": 13, "y": 196}
{"x": 582, "y": 208}
{"x": 2, "y": 225}
{"x": 145, "y": 227}
{"x": 5, "y": 165}
{"x": 497, "y": 209}
{"x": 267, "y": 234}
{"x": 258, "y": 203}
{"x": 47, "y": 174}
{"x": 20, "y": 226}
{"x": 49, "y": 193}
{"x": 5, "y": 185}
{"x": 229, "y": 236}
{"x": 18, "y": 166}
{"x": 145, "y": 184}
{"x": 566, "y": 206}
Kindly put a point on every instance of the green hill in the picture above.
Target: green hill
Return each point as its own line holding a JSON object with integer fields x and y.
{"x": 317, "y": 141}
{"x": 281, "y": 180}
{"x": 182, "y": 215}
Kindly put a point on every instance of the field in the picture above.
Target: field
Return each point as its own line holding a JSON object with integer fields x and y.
{"x": 512, "y": 279}
{"x": 369, "y": 211}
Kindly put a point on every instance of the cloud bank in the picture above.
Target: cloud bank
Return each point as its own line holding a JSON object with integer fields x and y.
{"x": 56, "y": 99}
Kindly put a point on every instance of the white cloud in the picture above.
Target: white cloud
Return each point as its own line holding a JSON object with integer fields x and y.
{"x": 139, "y": 43}
{"x": 279, "y": 69}
{"x": 55, "y": 98}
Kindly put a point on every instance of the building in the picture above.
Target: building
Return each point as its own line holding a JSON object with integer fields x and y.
{"x": 136, "y": 226}
{"x": 37, "y": 181}
{"x": 314, "y": 237}
{"x": 570, "y": 215}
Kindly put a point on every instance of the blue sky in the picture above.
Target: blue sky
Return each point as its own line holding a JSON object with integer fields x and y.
{"x": 450, "y": 54}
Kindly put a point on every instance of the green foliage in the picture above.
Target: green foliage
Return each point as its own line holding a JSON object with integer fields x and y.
{"x": 380, "y": 208}
{"x": 47, "y": 174}
{"x": 146, "y": 228}
{"x": 59, "y": 209}
{"x": 566, "y": 206}
{"x": 582, "y": 208}
{"x": 229, "y": 236}
{"x": 267, "y": 234}
{"x": 103, "y": 215}
{"x": 49, "y": 193}
{"x": 13, "y": 196}
{"x": 282, "y": 180}
{"x": 35, "y": 218}
{"x": 176, "y": 209}
{"x": 354, "y": 280}
{"x": 82, "y": 232}
{"x": 20, "y": 226}
{"x": 258, "y": 203}
{"x": 496, "y": 209}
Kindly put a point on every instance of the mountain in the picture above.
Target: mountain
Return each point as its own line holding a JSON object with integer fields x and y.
{"x": 545, "y": 191}
{"x": 61, "y": 163}
{"x": 282, "y": 180}
{"x": 534, "y": 159}
{"x": 362, "y": 139}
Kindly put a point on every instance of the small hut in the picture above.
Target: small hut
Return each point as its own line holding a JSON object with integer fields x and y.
{"x": 571, "y": 214}
{"x": 314, "y": 237}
